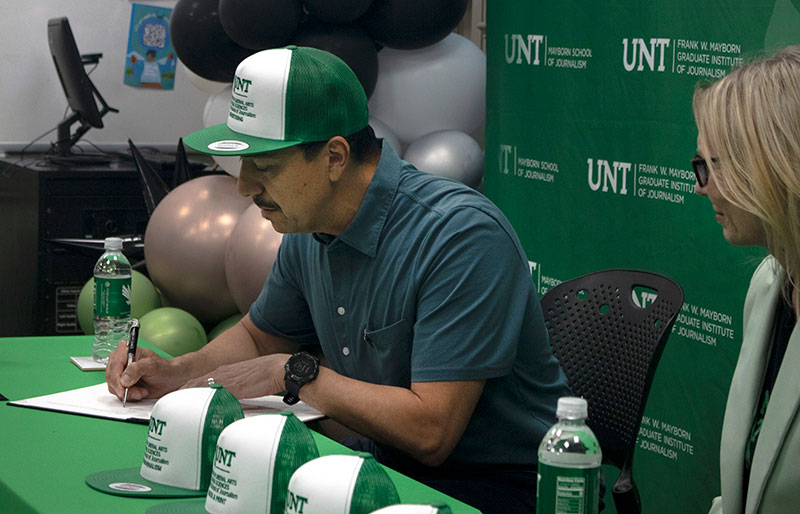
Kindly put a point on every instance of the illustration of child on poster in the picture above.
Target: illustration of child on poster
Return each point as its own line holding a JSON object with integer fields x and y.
{"x": 150, "y": 61}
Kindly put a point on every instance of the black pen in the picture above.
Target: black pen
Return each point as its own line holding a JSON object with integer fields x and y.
{"x": 133, "y": 340}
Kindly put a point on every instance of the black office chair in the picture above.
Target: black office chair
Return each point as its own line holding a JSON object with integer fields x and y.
{"x": 609, "y": 348}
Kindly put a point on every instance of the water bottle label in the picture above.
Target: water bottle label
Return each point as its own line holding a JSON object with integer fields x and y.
{"x": 112, "y": 297}
{"x": 567, "y": 490}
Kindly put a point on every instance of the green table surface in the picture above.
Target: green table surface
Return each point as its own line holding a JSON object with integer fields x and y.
{"x": 47, "y": 455}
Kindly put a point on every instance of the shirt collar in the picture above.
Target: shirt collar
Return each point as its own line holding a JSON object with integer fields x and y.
{"x": 364, "y": 232}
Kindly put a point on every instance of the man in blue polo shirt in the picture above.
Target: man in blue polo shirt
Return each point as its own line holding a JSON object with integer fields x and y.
{"x": 414, "y": 289}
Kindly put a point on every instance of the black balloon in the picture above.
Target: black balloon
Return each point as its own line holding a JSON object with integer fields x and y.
{"x": 260, "y": 24}
{"x": 337, "y": 11}
{"x": 201, "y": 42}
{"x": 411, "y": 24}
{"x": 348, "y": 42}
{"x": 153, "y": 187}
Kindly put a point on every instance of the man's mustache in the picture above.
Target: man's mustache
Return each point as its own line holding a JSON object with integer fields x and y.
{"x": 265, "y": 204}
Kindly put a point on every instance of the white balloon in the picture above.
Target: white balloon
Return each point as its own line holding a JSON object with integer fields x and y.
{"x": 229, "y": 163}
{"x": 217, "y": 107}
{"x": 382, "y": 131}
{"x": 448, "y": 153}
{"x": 216, "y": 112}
{"x": 439, "y": 87}
{"x": 209, "y": 86}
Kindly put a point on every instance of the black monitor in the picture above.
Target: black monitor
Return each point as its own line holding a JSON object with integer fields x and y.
{"x": 78, "y": 87}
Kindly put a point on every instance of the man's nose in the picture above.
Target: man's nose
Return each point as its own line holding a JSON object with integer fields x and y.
{"x": 245, "y": 186}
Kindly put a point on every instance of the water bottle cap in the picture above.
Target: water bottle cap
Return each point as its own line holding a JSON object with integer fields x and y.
{"x": 113, "y": 243}
{"x": 570, "y": 407}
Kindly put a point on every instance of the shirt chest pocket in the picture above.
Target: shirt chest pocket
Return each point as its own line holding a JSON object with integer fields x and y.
{"x": 386, "y": 355}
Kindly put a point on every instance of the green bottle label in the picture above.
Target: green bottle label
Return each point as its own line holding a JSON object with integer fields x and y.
{"x": 112, "y": 297}
{"x": 567, "y": 490}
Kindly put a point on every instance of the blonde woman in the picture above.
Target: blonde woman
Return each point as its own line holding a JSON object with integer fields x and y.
{"x": 748, "y": 166}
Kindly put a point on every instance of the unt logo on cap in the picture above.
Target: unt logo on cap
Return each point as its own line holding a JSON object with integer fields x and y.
{"x": 224, "y": 457}
{"x": 157, "y": 426}
{"x": 240, "y": 84}
{"x": 295, "y": 503}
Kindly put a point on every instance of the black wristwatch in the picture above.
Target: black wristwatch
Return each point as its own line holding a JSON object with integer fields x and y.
{"x": 301, "y": 368}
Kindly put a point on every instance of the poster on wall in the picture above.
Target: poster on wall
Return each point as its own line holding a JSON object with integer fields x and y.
{"x": 150, "y": 60}
{"x": 589, "y": 137}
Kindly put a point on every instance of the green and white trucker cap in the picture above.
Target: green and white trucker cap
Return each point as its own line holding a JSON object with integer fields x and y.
{"x": 402, "y": 508}
{"x": 180, "y": 445}
{"x": 340, "y": 484}
{"x": 255, "y": 458}
{"x": 283, "y": 97}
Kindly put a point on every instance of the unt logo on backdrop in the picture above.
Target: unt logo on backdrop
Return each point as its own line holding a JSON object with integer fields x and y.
{"x": 640, "y": 54}
{"x": 609, "y": 176}
{"x": 508, "y": 153}
{"x": 523, "y": 48}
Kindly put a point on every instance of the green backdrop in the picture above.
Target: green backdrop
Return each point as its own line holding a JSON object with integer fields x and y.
{"x": 588, "y": 142}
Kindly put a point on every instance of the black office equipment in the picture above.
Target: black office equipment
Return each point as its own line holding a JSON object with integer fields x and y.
{"x": 78, "y": 88}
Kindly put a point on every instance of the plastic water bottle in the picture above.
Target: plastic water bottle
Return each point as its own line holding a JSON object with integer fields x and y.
{"x": 569, "y": 463}
{"x": 112, "y": 299}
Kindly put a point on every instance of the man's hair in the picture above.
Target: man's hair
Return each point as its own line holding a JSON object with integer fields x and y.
{"x": 750, "y": 119}
{"x": 363, "y": 146}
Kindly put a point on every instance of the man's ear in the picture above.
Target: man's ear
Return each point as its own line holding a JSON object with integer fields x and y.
{"x": 338, "y": 150}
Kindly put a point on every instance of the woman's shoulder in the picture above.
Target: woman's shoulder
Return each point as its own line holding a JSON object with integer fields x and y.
{"x": 767, "y": 271}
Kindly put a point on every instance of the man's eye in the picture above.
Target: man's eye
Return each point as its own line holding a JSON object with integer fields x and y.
{"x": 263, "y": 167}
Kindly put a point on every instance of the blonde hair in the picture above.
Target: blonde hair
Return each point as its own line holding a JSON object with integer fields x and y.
{"x": 751, "y": 119}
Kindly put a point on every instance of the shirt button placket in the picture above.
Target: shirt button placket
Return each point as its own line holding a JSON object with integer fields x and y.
{"x": 341, "y": 311}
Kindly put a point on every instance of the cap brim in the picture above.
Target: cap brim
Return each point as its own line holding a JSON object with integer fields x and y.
{"x": 184, "y": 507}
{"x": 221, "y": 140}
{"x": 128, "y": 482}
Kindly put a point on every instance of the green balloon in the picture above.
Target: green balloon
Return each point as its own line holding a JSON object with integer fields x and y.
{"x": 173, "y": 330}
{"x": 144, "y": 298}
{"x": 224, "y": 325}
{"x": 164, "y": 300}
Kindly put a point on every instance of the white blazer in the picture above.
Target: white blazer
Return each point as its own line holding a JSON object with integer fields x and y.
{"x": 774, "y": 486}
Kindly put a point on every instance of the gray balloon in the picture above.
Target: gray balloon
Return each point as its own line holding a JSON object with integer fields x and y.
{"x": 185, "y": 241}
{"x": 251, "y": 250}
{"x": 384, "y": 132}
{"x": 448, "y": 153}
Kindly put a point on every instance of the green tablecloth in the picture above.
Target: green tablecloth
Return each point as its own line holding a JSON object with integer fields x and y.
{"x": 47, "y": 455}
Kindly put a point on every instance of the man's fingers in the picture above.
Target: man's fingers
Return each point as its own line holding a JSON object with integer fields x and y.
{"x": 196, "y": 382}
{"x": 137, "y": 393}
{"x": 115, "y": 361}
{"x": 135, "y": 372}
{"x": 114, "y": 367}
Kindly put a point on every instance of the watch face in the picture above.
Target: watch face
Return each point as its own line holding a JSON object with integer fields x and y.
{"x": 301, "y": 366}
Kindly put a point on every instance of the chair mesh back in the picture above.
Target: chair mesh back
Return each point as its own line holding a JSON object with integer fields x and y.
{"x": 609, "y": 348}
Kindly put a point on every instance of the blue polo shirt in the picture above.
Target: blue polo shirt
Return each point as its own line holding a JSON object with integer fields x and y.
{"x": 428, "y": 283}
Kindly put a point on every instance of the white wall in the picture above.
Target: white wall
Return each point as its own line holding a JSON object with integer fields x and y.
{"x": 31, "y": 98}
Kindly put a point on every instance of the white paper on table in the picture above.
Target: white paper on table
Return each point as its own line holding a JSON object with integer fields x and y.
{"x": 98, "y": 402}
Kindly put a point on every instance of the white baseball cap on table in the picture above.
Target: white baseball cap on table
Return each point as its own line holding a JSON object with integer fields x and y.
{"x": 282, "y": 97}
{"x": 181, "y": 440}
{"x": 254, "y": 460}
{"x": 340, "y": 484}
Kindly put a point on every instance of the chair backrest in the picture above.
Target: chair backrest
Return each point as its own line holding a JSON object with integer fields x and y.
{"x": 609, "y": 338}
